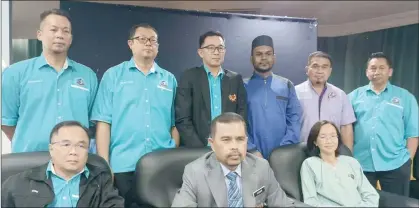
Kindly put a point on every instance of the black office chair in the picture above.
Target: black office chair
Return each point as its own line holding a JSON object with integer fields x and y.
{"x": 159, "y": 174}
{"x": 14, "y": 163}
{"x": 414, "y": 184}
{"x": 286, "y": 163}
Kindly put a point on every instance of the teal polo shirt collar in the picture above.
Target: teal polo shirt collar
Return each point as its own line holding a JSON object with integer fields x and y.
{"x": 386, "y": 89}
{"x": 41, "y": 61}
{"x": 155, "y": 68}
{"x": 220, "y": 73}
{"x": 50, "y": 170}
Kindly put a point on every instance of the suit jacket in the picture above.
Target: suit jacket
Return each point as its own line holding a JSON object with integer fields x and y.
{"x": 204, "y": 184}
{"x": 193, "y": 104}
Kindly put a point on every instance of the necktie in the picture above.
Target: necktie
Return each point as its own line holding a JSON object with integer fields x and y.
{"x": 235, "y": 198}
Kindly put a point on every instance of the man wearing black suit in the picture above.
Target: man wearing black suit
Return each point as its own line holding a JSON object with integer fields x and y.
{"x": 207, "y": 91}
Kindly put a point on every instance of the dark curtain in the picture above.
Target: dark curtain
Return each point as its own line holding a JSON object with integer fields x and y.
{"x": 350, "y": 54}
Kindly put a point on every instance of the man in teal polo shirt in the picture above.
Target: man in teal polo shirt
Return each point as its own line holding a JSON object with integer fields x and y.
{"x": 386, "y": 131}
{"x": 134, "y": 110}
{"x": 40, "y": 92}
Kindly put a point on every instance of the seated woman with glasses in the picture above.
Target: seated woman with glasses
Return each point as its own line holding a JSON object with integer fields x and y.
{"x": 329, "y": 179}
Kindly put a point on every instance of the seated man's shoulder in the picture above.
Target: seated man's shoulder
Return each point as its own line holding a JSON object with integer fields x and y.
{"x": 261, "y": 163}
{"x": 21, "y": 179}
{"x": 197, "y": 165}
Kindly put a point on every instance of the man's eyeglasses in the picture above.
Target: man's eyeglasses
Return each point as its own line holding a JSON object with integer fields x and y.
{"x": 211, "y": 48}
{"x": 67, "y": 145}
{"x": 144, "y": 40}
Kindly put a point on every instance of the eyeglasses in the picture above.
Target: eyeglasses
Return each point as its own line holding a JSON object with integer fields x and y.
{"x": 144, "y": 40}
{"x": 211, "y": 48}
{"x": 324, "y": 137}
{"x": 66, "y": 146}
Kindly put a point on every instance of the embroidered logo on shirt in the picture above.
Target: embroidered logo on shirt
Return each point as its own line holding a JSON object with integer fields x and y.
{"x": 331, "y": 95}
{"x": 232, "y": 98}
{"x": 79, "y": 81}
{"x": 351, "y": 176}
{"x": 395, "y": 100}
{"x": 164, "y": 86}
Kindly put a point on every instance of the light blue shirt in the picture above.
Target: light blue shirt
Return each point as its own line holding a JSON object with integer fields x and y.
{"x": 140, "y": 109}
{"x": 66, "y": 191}
{"x": 35, "y": 97}
{"x": 238, "y": 170}
{"x": 384, "y": 123}
{"x": 215, "y": 92}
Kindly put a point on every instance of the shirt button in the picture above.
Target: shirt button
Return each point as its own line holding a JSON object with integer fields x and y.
{"x": 216, "y": 107}
{"x": 58, "y": 90}
{"x": 146, "y": 101}
{"x": 59, "y": 117}
{"x": 145, "y": 89}
{"x": 58, "y": 103}
{"x": 148, "y": 139}
{"x": 372, "y": 149}
{"x": 64, "y": 197}
{"x": 147, "y": 126}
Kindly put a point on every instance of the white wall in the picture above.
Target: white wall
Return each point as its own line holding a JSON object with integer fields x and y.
{"x": 5, "y": 59}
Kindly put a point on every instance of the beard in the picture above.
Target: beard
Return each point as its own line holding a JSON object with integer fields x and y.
{"x": 263, "y": 70}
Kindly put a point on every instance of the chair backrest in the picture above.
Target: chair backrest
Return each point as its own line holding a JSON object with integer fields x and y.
{"x": 14, "y": 163}
{"x": 286, "y": 163}
{"x": 159, "y": 174}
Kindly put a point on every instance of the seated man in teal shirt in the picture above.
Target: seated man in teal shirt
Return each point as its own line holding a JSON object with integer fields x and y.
{"x": 40, "y": 92}
{"x": 67, "y": 180}
{"x": 134, "y": 110}
{"x": 387, "y": 129}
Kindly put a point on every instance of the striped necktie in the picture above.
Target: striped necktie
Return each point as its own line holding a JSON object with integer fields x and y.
{"x": 235, "y": 198}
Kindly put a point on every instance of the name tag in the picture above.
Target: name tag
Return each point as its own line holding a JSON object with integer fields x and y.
{"x": 79, "y": 87}
{"x": 34, "y": 81}
{"x": 259, "y": 191}
{"x": 164, "y": 88}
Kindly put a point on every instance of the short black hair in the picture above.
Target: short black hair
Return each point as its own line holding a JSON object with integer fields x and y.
{"x": 312, "y": 149}
{"x": 228, "y": 117}
{"x": 60, "y": 125}
{"x": 319, "y": 54}
{"x": 141, "y": 25}
{"x": 380, "y": 55}
{"x": 59, "y": 12}
{"x": 209, "y": 34}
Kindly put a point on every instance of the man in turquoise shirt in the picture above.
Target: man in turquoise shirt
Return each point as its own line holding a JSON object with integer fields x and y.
{"x": 43, "y": 91}
{"x": 386, "y": 131}
{"x": 134, "y": 110}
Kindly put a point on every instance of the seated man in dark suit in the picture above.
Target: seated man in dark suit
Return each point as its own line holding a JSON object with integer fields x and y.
{"x": 227, "y": 176}
{"x": 66, "y": 181}
{"x": 205, "y": 92}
